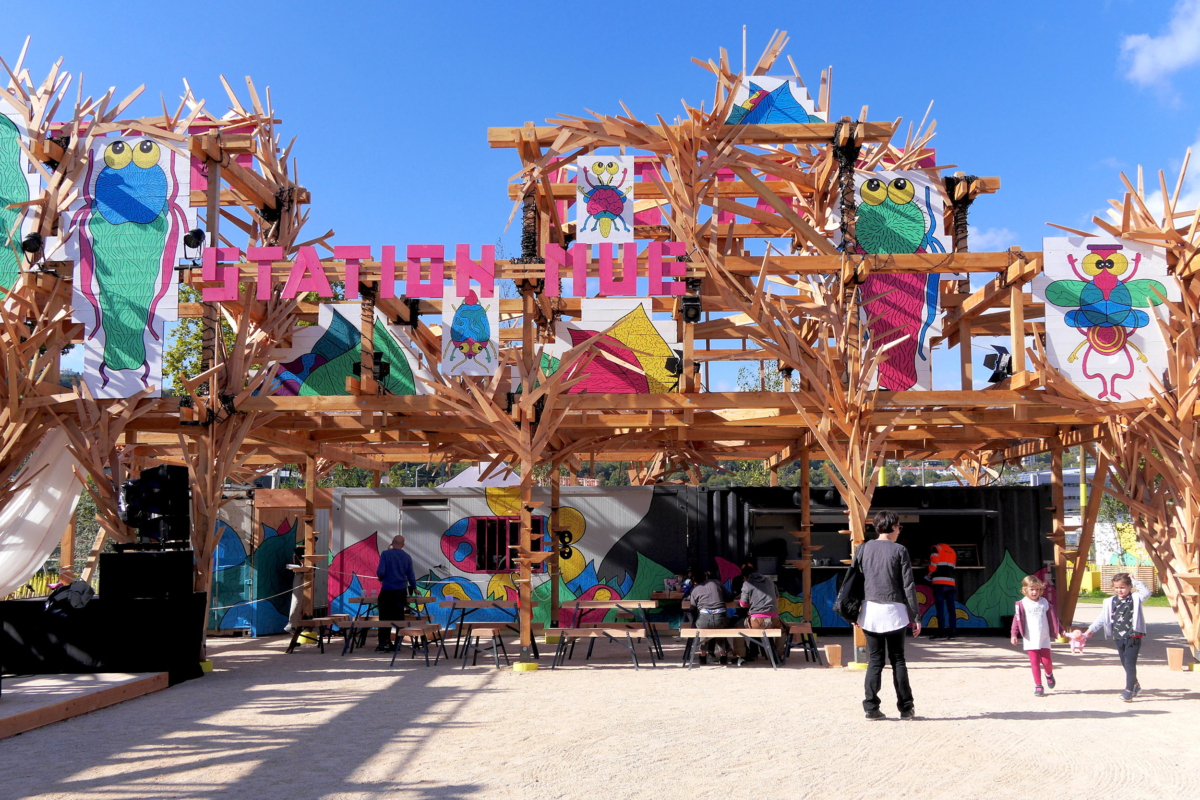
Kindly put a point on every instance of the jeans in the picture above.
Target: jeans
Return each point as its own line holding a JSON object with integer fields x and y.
{"x": 943, "y": 599}
{"x": 893, "y": 643}
{"x": 1128, "y": 649}
{"x": 721, "y": 620}
{"x": 393, "y": 603}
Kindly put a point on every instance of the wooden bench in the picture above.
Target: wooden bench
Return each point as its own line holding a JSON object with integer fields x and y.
{"x": 361, "y": 625}
{"x": 802, "y": 633}
{"x": 466, "y": 628}
{"x": 420, "y": 634}
{"x": 755, "y": 636}
{"x": 494, "y": 633}
{"x": 612, "y": 631}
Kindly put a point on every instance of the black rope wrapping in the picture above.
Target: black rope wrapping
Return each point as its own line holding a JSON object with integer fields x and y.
{"x": 960, "y": 209}
{"x": 529, "y": 233}
{"x": 847, "y": 157}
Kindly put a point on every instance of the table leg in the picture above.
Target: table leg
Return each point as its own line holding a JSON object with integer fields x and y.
{"x": 687, "y": 649}
{"x": 396, "y": 645}
{"x": 632, "y": 651}
{"x": 559, "y": 651}
{"x": 295, "y": 639}
{"x": 766, "y": 645}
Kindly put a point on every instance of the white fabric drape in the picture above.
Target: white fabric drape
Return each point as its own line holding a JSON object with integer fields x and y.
{"x": 34, "y": 520}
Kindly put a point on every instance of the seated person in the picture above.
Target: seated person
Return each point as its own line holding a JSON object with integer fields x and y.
{"x": 708, "y": 604}
{"x": 762, "y": 602}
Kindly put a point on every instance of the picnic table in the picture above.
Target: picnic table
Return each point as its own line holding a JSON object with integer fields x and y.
{"x": 612, "y": 631}
{"x": 756, "y": 636}
{"x": 366, "y": 604}
{"x": 464, "y": 609}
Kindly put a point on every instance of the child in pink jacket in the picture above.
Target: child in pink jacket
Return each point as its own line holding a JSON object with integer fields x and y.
{"x": 1036, "y": 623}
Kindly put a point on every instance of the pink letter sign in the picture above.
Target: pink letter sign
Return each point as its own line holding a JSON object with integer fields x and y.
{"x": 609, "y": 285}
{"x": 466, "y": 270}
{"x": 556, "y": 257}
{"x": 436, "y": 254}
{"x": 263, "y": 256}
{"x": 307, "y": 275}
{"x": 354, "y": 255}
{"x": 673, "y": 269}
{"x": 229, "y": 275}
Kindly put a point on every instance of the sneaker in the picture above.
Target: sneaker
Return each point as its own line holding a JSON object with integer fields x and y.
{"x": 1137, "y": 687}
{"x": 1127, "y": 696}
{"x": 875, "y": 715}
{"x": 1038, "y": 691}
{"x": 1050, "y": 681}
{"x": 703, "y": 659}
{"x": 383, "y": 648}
{"x": 740, "y": 662}
{"x": 952, "y": 637}
{"x": 723, "y": 660}
{"x": 909, "y": 714}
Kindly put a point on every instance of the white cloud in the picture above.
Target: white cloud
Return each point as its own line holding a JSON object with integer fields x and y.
{"x": 991, "y": 239}
{"x": 1152, "y": 59}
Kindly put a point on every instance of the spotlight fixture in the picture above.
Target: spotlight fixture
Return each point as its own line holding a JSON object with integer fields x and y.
{"x": 414, "y": 316}
{"x": 1000, "y": 362}
{"x": 193, "y": 239}
{"x": 690, "y": 309}
{"x": 32, "y": 244}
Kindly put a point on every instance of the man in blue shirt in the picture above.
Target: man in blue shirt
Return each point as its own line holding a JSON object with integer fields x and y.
{"x": 396, "y": 573}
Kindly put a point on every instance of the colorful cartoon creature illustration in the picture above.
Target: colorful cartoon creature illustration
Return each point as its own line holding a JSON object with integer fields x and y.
{"x": 470, "y": 334}
{"x": 770, "y": 107}
{"x": 605, "y": 202}
{"x": 1104, "y": 309}
{"x": 891, "y": 220}
{"x": 128, "y": 236}
{"x": 13, "y": 189}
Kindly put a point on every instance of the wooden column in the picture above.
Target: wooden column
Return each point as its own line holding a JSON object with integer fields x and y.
{"x": 310, "y": 521}
{"x": 1016, "y": 319}
{"x": 66, "y": 552}
{"x": 1087, "y": 523}
{"x": 367, "y": 361}
{"x": 554, "y": 543}
{"x": 774, "y": 476}
{"x": 964, "y": 356}
{"x": 806, "y": 532}
{"x": 1059, "y": 533}
{"x": 525, "y": 582}
{"x": 687, "y": 381}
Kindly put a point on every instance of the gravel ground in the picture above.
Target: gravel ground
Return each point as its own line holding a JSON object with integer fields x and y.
{"x": 265, "y": 725}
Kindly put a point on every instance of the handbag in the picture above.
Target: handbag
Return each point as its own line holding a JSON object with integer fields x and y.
{"x": 852, "y": 594}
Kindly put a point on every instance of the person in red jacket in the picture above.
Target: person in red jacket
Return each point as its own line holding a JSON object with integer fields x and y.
{"x": 942, "y": 564}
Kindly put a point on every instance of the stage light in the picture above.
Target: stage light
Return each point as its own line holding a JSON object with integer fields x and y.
{"x": 690, "y": 309}
{"x": 1000, "y": 362}
{"x": 32, "y": 244}
{"x": 193, "y": 239}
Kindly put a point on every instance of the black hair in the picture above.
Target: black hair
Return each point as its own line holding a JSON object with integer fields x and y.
{"x": 885, "y": 521}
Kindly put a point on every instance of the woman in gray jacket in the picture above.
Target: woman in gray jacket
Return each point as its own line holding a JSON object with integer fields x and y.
{"x": 889, "y": 607}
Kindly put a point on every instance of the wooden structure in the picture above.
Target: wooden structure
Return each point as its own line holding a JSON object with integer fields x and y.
{"x": 723, "y": 191}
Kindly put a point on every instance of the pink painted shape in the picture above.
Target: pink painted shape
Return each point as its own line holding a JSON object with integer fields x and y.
{"x": 387, "y": 272}
{"x": 556, "y": 257}
{"x": 359, "y": 559}
{"x": 725, "y": 174}
{"x": 893, "y": 316}
{"x": 651, "y": 216}
{"x": 728, "y": 569}
{"x": 414, "y": 286}
{"x": 605, "y": 375}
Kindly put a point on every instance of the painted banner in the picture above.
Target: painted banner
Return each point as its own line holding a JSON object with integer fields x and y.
{"x": 773, "y": 100}
{"x": 639, "y": 355}
{"x": 604, "y": 200}
{"x": 470, "y": 334}
{"x": 1101, "y": 295}
{"x": 125, "y": 235}
{"x": 323, "y": 356}
{"x": 900, "y": 212}
{"x": 18, "y": 184}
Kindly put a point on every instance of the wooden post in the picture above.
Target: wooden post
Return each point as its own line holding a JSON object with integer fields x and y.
{"x": 774, "y": 476}
{"x": 66, "y": 553}
{"x": 524, "y": 545}
{"x": 554, "y": 543}
{"x": 806, "y": 532}
{"x": 687, "y": 381}
{"x": 1016, "y": 318}
{"x": 367, "y": 361}
{"x": 1087, "y": 529}
{"x": 310, "y": 520}
{"x": 1059, "y": 534}
{"x": 964, "y": 356}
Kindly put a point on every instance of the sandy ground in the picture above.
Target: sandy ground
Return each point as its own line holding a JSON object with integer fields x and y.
{"x": 266, "y": 725}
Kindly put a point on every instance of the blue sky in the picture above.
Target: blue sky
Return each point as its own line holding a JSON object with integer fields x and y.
{"x": 391, "y": 101}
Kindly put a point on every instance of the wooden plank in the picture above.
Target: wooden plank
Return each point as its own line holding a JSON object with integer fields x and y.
{"x": 813, "y": 133}
{"x": 35, "y": 701}
{"x": 292, "y": 498}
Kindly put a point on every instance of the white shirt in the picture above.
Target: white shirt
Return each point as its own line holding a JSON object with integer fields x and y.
{"x": 1037, "y": 624}
{"x": 878, "y": 617}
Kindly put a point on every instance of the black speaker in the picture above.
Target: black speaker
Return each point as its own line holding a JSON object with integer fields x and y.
{"x": 164, "y": 490}
{"x": 166, "y": 529}
{"x": 153, "y": 575}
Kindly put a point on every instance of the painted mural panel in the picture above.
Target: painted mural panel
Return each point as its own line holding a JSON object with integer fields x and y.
{"x": 900, "y": 212}
{"x": 125, "y": 235}
{"x": 1101, "y": 295}
{"x": 322, "y": 356}
{"x": 18, "y": 184}
{"x": 773, "y": 100}
{"x": 604, "y": 200}
{"x": 636, "y": 357}
{"x": 251, "y": 582}
{"x": 470, "y": 334}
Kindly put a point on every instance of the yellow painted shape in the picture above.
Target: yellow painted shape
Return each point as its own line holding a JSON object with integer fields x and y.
{"x": 637, "y": 332}
{"x": 504, "y": 501}
{"x": 497, "y": 586}
{"x": 206, "y": 666}
{"x": 452, "y": 589}
{"x": 523, "y": 666}
{"x": 571, "y": 519}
